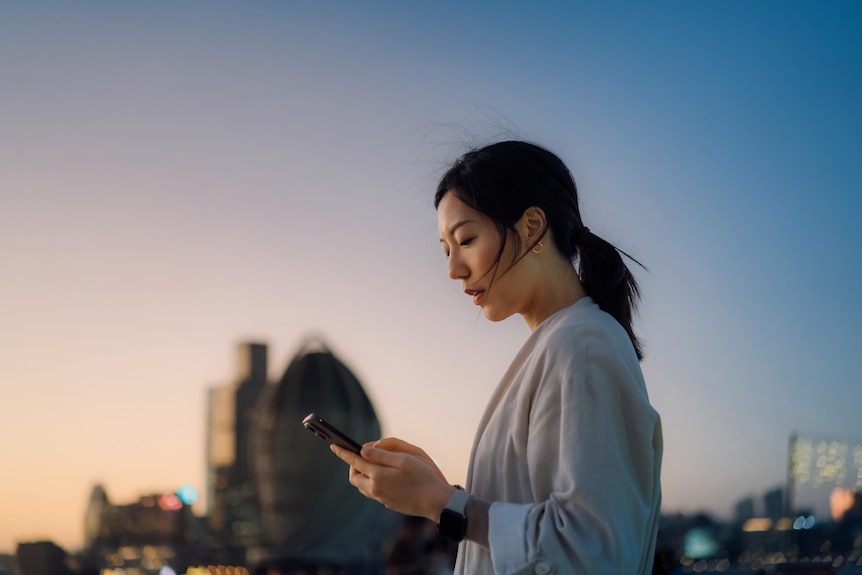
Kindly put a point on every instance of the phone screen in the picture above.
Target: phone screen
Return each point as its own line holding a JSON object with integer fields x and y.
{"x": 328, "y": 432}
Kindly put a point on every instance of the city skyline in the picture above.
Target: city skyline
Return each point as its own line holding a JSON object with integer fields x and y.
{"x": 203, "y": 504}
{"x": 179, "y": 178}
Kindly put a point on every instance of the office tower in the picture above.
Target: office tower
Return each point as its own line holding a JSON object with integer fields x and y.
{"x": 819, "y": 467}
{"x": 773, "y": 504}
{"x": 231, "y": 500}
{"x": 743, "y": 510}
{"x": 96, "y": 518}
{"x": 310, "y": 513}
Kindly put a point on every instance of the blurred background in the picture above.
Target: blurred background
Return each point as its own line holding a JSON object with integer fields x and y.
{"x": 180, "y": 180}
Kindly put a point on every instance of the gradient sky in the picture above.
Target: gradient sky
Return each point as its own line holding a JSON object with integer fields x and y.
{"x": 178, "y": 177}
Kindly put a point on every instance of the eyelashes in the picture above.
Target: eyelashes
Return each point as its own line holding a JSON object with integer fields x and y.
{"x": 462, "y": 243}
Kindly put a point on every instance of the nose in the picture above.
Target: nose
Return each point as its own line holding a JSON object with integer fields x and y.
{"x": 458, "y": 270}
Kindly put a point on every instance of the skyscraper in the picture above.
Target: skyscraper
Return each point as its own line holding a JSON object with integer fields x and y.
{"x": 96, "y": 518}
{"x": 773, "y": 504}
{"x": 743, "y": 510}
{"x": 311, "y": 515}
{"x": 231, "y": 501}
{"x": 818, "y": 467}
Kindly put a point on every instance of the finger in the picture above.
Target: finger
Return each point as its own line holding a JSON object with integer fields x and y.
{"x": 381, "y": 457}
{"x": 359, "y": 481}
{"x": 397, "y": 445}
{"x": 346, "y": 456}
{"x": 356, "y": 462}
{"x": 390, "y": 443}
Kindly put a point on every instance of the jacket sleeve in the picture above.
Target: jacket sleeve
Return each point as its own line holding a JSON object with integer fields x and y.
{"x": 593, "y": 453}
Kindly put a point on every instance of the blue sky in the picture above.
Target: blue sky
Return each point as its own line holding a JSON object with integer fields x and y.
{"x": 180, "y": 177}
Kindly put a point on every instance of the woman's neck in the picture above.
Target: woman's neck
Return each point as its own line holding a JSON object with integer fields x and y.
{"x": 558, "y": 288}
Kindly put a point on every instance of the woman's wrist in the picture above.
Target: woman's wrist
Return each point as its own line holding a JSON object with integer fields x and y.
{"x": 440, "y": 502}
{"x": 475, "y": 512}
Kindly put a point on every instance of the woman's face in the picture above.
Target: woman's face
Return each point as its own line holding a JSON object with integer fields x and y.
{"x": 471, "y": 241}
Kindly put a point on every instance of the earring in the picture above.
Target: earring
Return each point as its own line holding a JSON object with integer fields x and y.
{"x": 537, "y": 249}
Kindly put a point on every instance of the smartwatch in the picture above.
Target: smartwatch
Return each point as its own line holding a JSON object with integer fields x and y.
{"x": 453, "y": 521}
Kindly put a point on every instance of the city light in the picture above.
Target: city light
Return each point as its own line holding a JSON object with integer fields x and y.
{"x": 803, "y": 522}
{"x": 170, "y": 502}
{"x": 700, "y": 543}
{"x": 757, "y": 524}
{"x": 784, "y": 524}
{"x": 187, "y": 494}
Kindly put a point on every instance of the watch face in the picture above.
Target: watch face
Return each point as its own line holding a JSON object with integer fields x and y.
{"x": 453, "y": 525}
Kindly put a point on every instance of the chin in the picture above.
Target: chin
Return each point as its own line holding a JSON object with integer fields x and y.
{"x": 495, "y": 315}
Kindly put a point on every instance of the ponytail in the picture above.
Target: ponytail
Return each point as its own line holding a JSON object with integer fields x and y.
{"x": 608, "y": 281}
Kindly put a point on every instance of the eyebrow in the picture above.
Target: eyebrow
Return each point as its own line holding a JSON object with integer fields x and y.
{"x": 457, "y": 225}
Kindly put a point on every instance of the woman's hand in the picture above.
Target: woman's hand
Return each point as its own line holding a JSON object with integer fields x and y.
{"x": 397, "y": 445}
{"x": 400, "y": 476}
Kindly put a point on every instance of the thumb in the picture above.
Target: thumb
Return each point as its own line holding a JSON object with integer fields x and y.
{"x": 380, "y": 456}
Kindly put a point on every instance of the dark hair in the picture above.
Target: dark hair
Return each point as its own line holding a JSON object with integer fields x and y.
{"x": 502, "y": 180}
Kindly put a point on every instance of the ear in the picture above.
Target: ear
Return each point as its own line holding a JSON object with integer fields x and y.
{"x": 532, "y": 225}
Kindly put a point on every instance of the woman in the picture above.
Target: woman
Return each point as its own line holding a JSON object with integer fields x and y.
{"x": 564, "y": 471}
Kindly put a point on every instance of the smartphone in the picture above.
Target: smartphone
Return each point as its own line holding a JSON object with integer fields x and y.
{"x": 328, "y": 432}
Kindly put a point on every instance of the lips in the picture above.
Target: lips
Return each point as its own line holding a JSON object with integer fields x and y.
{"x": 477, "y": 295}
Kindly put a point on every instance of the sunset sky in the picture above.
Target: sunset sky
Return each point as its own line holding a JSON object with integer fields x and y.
{"x": 178, "y": 177}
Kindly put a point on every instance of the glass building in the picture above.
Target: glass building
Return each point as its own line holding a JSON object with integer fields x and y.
{"x": 310, "y": 514}
{"x": 823, "y": 472}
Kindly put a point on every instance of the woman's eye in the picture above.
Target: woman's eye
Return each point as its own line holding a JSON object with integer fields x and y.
{"x": 466, "y": 242}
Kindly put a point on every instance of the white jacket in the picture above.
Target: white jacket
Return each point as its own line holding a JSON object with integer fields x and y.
{"x": 569, "y": 453}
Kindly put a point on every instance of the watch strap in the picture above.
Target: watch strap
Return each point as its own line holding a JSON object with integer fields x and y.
{"x": 458, "y": 501}
{"x": 453, "y": 519}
